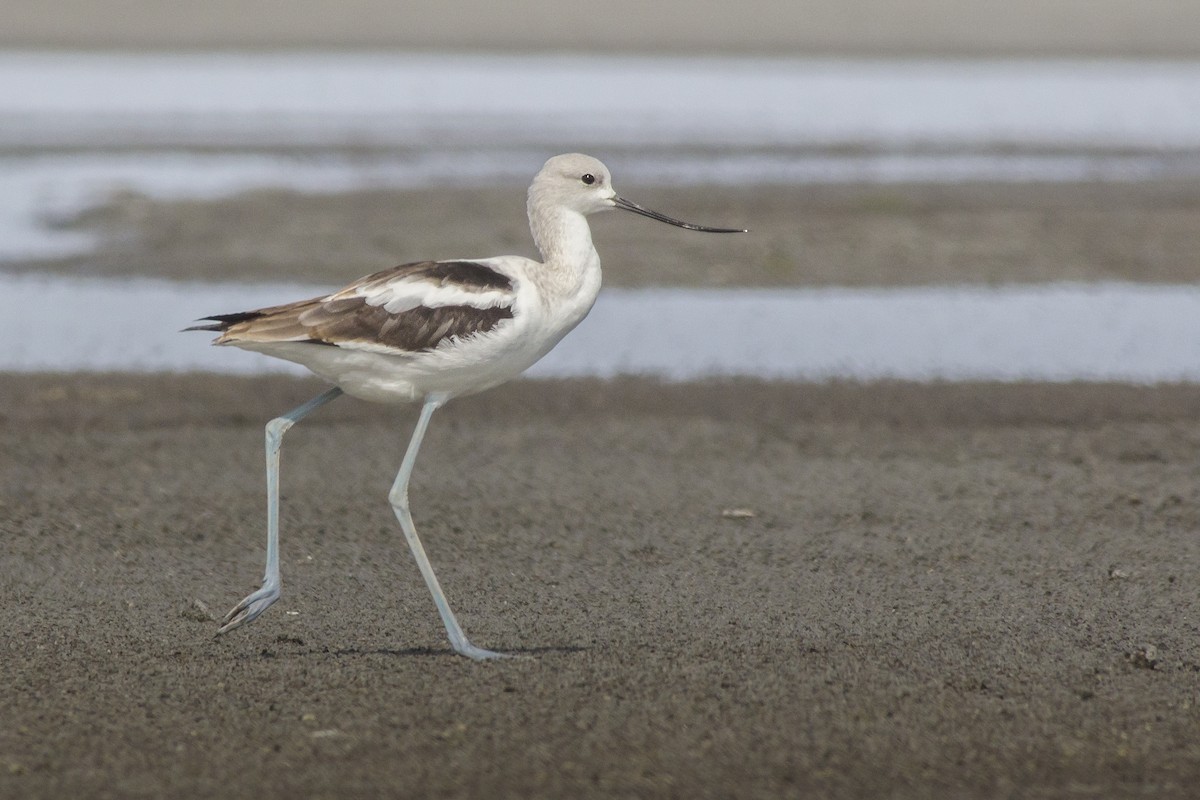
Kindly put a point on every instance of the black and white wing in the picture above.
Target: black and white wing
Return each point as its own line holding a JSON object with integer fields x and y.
{"x": 409, "y": 308}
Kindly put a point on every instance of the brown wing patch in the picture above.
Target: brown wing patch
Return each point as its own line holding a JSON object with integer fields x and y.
{"x": 345, "y": 317}
{"x": 347, "y": 320}
{"x": 414, "y": 330}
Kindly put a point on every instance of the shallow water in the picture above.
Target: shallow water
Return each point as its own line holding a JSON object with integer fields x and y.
{"x": 451, "y": 100}
{"x": 1059, "y": 332}
{"x": 212, "y": 124}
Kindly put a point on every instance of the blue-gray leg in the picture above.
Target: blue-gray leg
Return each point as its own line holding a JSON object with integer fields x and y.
{"x": 399, "y": 500}
{"x": 258, "y": 602}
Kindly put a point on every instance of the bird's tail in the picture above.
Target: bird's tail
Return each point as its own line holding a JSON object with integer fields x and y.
{"x": 222, "y": 322}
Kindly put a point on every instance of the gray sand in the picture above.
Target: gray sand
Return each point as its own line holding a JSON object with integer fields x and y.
{"x": 956, "y": 590}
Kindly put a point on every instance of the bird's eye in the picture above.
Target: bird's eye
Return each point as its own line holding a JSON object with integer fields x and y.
{"x": 588, "y": 178}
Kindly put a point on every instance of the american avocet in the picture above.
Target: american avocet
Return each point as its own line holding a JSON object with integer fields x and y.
{"x": 434, "y": 330}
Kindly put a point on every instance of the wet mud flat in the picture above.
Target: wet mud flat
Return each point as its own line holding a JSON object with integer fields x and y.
{"x": 815, "y": 235}
{"x": 721, "y": 589}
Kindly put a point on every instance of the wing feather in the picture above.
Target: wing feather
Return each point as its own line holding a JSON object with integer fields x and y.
{"x": 412, "y": 308}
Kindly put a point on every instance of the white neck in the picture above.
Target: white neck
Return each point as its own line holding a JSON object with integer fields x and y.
{"x": 564, "y": 238}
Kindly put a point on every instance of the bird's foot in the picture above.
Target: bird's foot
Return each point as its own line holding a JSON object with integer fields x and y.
{"x": 250, "y": 607}
{"x": 465, "y": 648}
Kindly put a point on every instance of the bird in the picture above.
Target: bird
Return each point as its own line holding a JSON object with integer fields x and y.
{"x": 430, "y": 331}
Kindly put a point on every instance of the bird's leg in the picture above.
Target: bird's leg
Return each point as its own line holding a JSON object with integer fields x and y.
{"x": 399, "y": 500}
{"x": 258, "y": 602}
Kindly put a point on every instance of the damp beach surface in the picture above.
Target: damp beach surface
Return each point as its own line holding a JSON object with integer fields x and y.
{"x": 725, "y": 588}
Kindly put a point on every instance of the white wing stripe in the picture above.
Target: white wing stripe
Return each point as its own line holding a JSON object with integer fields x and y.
{"x": 405, "y": 295}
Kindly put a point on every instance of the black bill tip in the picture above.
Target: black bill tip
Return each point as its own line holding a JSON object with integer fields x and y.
{"x": 629, "y": 205}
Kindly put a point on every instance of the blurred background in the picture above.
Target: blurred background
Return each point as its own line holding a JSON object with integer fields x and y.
{"x": 869, "y": 145}
{"x": 873, "y": 28}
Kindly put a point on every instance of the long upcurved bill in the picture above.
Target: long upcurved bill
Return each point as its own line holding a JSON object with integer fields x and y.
{"x": 629, "y": 205}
